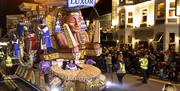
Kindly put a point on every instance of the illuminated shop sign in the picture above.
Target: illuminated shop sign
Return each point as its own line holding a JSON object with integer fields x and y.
{"x": 178, "y": 7}
{"x": 81, "y": 3}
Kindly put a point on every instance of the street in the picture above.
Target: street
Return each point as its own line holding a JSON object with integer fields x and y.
{"x": 133, "y": 83}
{"x": 7, "y": 85}
{"x": 11, "y": 82}
{"x": 130, "y": 83}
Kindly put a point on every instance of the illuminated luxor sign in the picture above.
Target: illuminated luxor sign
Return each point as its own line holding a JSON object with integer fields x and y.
{"x": 178, "y": 7}
{"x": 79, "y": 3}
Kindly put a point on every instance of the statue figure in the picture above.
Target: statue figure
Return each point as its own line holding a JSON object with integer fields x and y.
{"x": 72, "y": 31}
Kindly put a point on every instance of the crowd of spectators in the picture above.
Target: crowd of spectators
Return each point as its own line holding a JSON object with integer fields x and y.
{"x": 164, "y": 65}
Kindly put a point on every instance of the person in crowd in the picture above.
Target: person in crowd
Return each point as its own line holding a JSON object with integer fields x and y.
{"x": 136, "y": 62}
{"x": 108, "y": 59}
{"x": 166, "y": 56}
{"x": 127, "y": 56}
{"x": 161, "y": 57}
{"x": 101, "y": 62}
{"x": 171, "y": 57}
{"x": 177, "y": 66}
{"x": 151, "y": 58}
{"x": 144, "y": 67}
{"x": 9, "y": 65}
{"x": 162, "y": 73}
{"x": 114, "y": 58}
{"x": 121, "y": 71}
{"x": 172, "y": 74}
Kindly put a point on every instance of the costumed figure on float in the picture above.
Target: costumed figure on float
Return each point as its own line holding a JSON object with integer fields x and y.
{"x": 45, "y": 37}
{"x": 15, "y": 43}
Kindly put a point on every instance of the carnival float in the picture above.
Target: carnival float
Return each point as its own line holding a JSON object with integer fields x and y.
{"x": 55, "y": 31}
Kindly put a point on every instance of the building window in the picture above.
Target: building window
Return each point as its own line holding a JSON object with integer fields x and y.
{"x": 172, "y": 9}
{"x": 122, "y": 18}
{"x": 172, "y": 4}
{"x": 144, "y": 16}
{"x": 172, "y": 41}
{"x": 171, "y": 37}
{"x": 130, "y": 39}
{"x": 161, "y": 10}
{"x": 130, "y": 17}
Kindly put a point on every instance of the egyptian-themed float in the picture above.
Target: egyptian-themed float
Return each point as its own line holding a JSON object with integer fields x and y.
{"x": 55, "y": 31}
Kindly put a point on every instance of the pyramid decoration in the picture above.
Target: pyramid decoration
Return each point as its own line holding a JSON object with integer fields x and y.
{"x": 57, "y": 26}
{"x": 83, "y": 24}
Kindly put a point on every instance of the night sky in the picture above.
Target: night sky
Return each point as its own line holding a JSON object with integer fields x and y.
{"x": 9, "y": 7}
{"x": 104, "y": 6}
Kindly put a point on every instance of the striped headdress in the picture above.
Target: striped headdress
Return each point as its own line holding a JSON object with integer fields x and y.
{"x": 57, "y": 26}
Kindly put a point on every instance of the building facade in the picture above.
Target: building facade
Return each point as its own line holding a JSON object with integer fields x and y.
{"x": 147, "y": 23}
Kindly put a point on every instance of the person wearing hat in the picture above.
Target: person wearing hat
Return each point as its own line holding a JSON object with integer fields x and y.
{"x": 144, "y": 67}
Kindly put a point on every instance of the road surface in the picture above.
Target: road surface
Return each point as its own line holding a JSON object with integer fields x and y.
{"x": 4, "y": 86}
{"x": 133, "y": 83}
